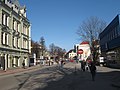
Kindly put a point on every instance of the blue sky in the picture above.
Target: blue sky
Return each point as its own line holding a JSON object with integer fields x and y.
{"x": 58, "y": 20}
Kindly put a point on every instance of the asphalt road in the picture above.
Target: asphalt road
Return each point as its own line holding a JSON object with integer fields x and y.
{"x": 68, "y": 78}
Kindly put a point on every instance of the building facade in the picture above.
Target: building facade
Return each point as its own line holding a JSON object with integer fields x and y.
{"x": 110, "y": 41}
{"x": 71, "y": 54}
{"x": 86, "y": 52}
{"x": 15, "y": 38}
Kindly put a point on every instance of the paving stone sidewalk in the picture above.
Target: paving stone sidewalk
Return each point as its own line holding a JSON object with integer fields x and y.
{"x": 75, "y": 67}
{"x": 116, "y": 81}
{"x": 19, "y": 70}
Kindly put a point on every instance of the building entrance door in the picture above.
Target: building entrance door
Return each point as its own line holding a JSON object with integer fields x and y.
{"x": 2, "y": 62}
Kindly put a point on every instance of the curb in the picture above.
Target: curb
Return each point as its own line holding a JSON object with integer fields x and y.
{"x": 9, "y": 72}
{"x": 21, "y": 70}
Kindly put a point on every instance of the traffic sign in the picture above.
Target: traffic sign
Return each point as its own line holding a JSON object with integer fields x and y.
{"x": 80, "y": 51}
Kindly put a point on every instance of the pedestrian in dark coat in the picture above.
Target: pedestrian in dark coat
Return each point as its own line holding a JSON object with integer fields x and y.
{"x": 83, "y": 63}
{"x": 62, "y": 63}
{"x": 23, "y": 64}
{"x": 93, "y": 70}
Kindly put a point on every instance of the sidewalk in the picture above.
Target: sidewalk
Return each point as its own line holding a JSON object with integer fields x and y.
{"x": 76, "y": 77}
{"x": 115, "y": 82}
{"x": 18, "y": 70}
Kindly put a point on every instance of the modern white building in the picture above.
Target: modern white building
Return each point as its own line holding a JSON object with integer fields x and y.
{"x": 15, "y": 36}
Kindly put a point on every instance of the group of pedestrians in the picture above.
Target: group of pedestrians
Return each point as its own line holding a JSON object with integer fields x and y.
{"x": 89, "y": 65}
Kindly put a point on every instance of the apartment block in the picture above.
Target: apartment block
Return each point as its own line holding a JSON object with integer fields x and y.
{"x": 15, "y": 35}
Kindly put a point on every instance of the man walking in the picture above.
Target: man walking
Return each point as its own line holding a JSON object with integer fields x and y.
{"x": 23, "y": 64}
{"x": 83, "y": 63}
{"x": 93, "y": 70}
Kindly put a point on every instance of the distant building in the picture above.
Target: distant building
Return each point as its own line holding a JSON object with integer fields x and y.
{"x": 85, "y": 47}
{"x": 110, "y": 41}
{"x": 71, "y": 54}
{"x": 15, "y": 36}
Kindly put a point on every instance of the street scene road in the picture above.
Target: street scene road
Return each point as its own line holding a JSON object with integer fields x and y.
{"x": 55, "y": 78}
{"x": 59, "y": 45}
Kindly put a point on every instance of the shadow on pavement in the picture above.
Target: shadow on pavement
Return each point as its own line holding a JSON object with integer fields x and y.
{"x": 78, "y": 80}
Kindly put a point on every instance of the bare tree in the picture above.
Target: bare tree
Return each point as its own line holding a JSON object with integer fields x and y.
{"x": 90, "y": 30}
{"x": 42, "y": 42}
{"x": 52, "y": 48}
{"x": 42, "y": 47}
{"x": 35, "y": 48}
{"x": 56, "y": 51}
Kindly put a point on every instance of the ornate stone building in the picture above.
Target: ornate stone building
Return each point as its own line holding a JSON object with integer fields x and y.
{"x": 15, "y": 38}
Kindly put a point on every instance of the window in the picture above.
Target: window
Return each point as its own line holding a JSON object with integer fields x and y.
{"x": 115, "y": 31}
{"x": 2, "y": 19}
{"x": 4, "y": 38}
{"x": 7, "y": 39}
{"x": 25, "y": 44}
{"x": 8, "y": 21}
{"x": 5, "y": 19}
{"x": 15, "y": 25}
{"x": 18, "y": 27}
{"x": 118, "y": 30}
{"x": 14, "y": 41}
{"x": 18, "y": 41}
{"x": 25, "y": 29}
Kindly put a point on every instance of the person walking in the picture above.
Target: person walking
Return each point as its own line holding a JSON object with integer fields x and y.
{"x": 87, "y": 66}
{"x": 93, "y": 70}
{"x": 23, "y": 64}
{"x": 83, "y": 63}
{"x": 62, "y": 63}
